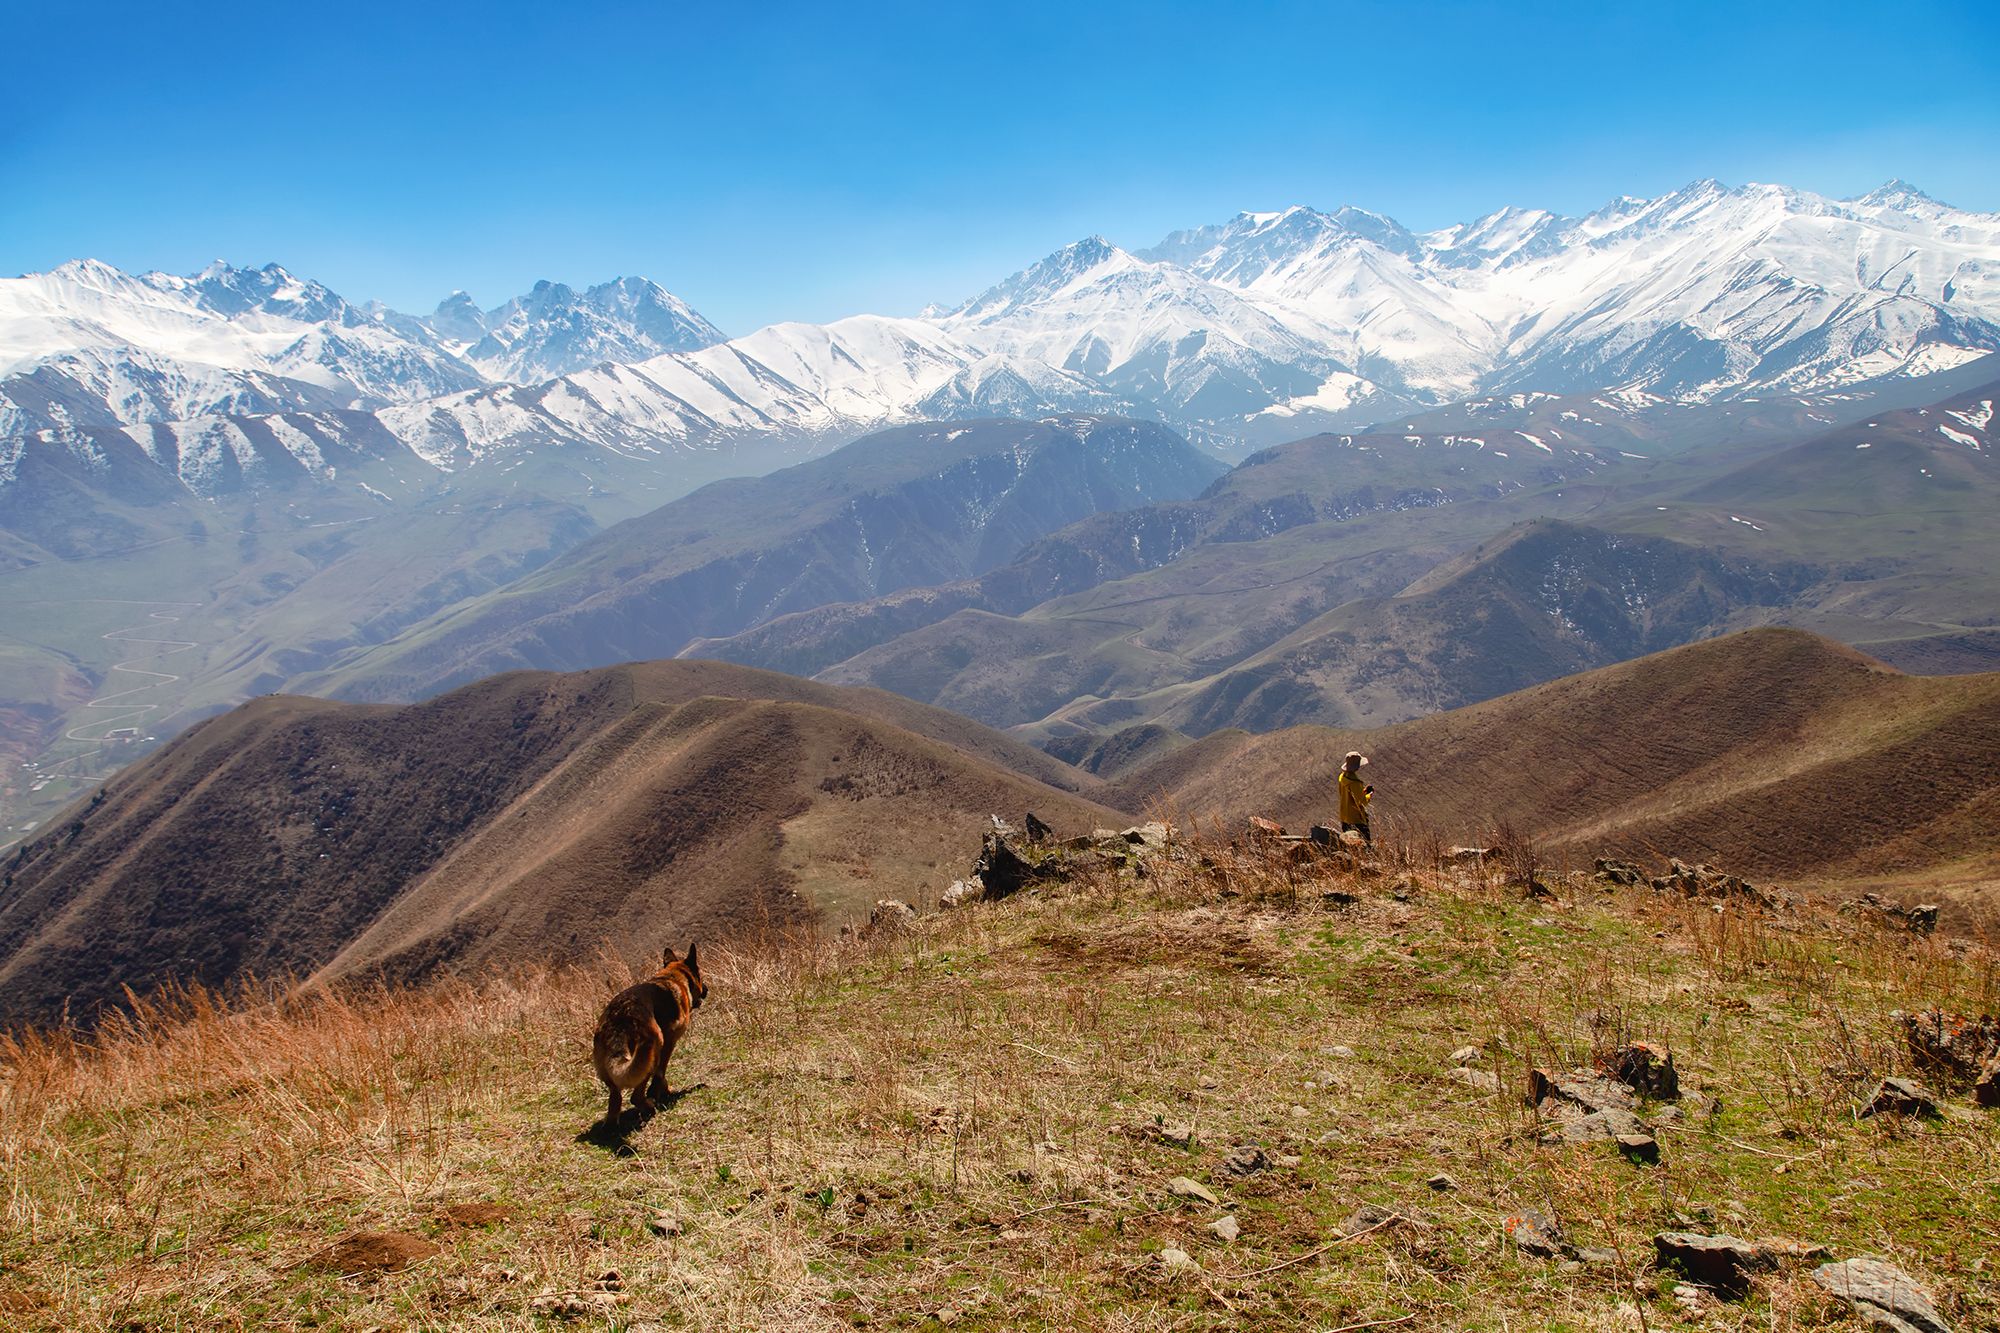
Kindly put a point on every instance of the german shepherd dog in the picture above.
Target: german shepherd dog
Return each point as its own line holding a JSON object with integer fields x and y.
{"x": 640, "y": 1028}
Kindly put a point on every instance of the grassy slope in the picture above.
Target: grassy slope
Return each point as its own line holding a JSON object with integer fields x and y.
{"x": 528, "y": 816}
{"x": 873, "y": 1135}
{"x": 1772, "y": 750}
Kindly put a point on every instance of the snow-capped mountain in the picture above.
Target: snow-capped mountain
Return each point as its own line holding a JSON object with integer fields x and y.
{"x": 86, "y": 345}
{"x": 1268, "y": 326}
{"x": 1701, "y": 293}
{"x": 557, "y": 330}
{"x": 1149, "y": 332}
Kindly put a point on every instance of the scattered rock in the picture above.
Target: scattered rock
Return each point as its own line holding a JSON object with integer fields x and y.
{"x": 1720, "y": 1263}
{"x": 1339, "y": 1052}
{"x": 1640, "y": 1148}
{"x": 1035, "y": 830}
{"x": 1581, "y": 1087}
{"x": 1339, "y": 898}
{"x": 1534, "y": 1233}
{"x": 960, "y": 892}
{"x": 1598, "y": 1258}
{"x": 1225, "y": 1228}
{"x": 1882, "y": 1294}
{"x": 1162, "y": 1132}
{"x": 1902, "y": 1096}
{"x": 1442, "y": 1183}
{"x": 1706, "y": 882}
{"x": 1952, "y": 1044}
{"x": 665, "y": 1224}
{"x": 1465, "y": 1055}
{"x": 1175, "y": 1261}
{"x": 1371, "y": 1218}
{"x": 1002, "y": 871}
{"x": 1484, "y": 1080}
{"x": 1261, "y": 827}
{"x": 1920, "y": 919}
{"x": 474, "y": 1214}
{"x": 373, "y": 1252}
{"x": 1598, "y": 1127}
{"x": 1986, "y": 1088}
{"x": 1646, "y": 1069}
{"x": 891, "y": 917}
{"x": 1186, "y": 1187}
{"x": 1153, "y": 835}
{"x": 1466, "y": 856}
{"x": 1619, "y": 872}
{"x": 1246, "y": 1160}
{"x": 1785, "y": 1250}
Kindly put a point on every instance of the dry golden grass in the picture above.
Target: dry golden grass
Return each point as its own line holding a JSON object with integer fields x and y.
{"x": 978, "y": 1121}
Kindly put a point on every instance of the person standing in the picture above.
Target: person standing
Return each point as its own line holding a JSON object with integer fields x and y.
{"x": 1355, "y": 796}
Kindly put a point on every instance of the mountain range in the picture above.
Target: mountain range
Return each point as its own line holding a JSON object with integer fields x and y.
{"x": 1259, "y": 329}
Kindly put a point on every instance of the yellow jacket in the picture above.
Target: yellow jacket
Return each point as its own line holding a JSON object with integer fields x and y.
{"x": 1354, "y": 798}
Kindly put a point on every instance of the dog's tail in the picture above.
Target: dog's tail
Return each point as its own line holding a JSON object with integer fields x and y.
{"x": 615, "y": 1053}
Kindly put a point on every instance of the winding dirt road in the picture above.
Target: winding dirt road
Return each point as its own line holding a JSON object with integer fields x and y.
{"x": 123, "y": 714}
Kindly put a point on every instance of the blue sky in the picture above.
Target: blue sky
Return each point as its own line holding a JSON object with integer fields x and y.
{"x": 783, "y": 161}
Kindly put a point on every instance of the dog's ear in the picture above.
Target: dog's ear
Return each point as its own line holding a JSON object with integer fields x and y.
{"x": 694, "y": 964}
{"x": 667, "y": 956}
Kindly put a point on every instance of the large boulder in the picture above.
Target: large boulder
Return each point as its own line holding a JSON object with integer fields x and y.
{"x": 1882, "y": 1294}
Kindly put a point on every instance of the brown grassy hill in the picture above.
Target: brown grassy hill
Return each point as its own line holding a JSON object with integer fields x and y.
{"x": 527, "y": 816}
{"x": 1771, "y": 751}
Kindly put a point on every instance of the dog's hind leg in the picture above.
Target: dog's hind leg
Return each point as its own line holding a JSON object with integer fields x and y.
{"x": 617, "y": 1106}
{"x": 656, "y": 1089}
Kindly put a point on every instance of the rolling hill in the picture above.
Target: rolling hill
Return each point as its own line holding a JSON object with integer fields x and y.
{"x": 528, "y": 816}
{"x": 1771, "y": 752}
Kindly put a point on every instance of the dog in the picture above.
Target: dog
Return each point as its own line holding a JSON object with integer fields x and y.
{"x": 640, "y": 1028}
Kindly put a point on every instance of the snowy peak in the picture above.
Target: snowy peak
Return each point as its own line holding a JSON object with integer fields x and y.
{"x": 1074, "y": 264}
{"x": 556, "y": 330}
{"x": 1899, "y": 194}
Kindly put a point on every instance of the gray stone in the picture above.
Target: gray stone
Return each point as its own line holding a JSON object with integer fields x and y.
{"x": 1176, "y": 1260}
{"x": 1442, "y": 1183}
{"x": 1465, "y": 1055}
{"x": 1598, "y": 1258}
{"x": 959, "y": 893}
{"x": 1640, "y": 1148}
{"x": 1246, "y": 1160}
{"x": 1598, "y": 1127}
{"x": 1721, "y": 1263}
{"x": 1535, "y": 1233}
{"x": 1902, "y": 1096}
{"x": 1882, "y": 1294}
{"x": 1580, "y": 1087}
{"x": 890, "y": 918}
{"x": 1225, "y": 1228}
{"x": 1340, "y": 1052}
{"x": 1370, "y": 1217}
{"x": 1187, "y": 1187}
{"x": 1482, "y": 1080}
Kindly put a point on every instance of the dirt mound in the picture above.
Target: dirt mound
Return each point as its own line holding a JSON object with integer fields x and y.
{"x": 527, "y": 816}
{"x": 373, "y": 1252}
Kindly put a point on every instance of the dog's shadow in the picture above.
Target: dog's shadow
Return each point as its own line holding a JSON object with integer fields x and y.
{"x": 616, "y": 1138}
